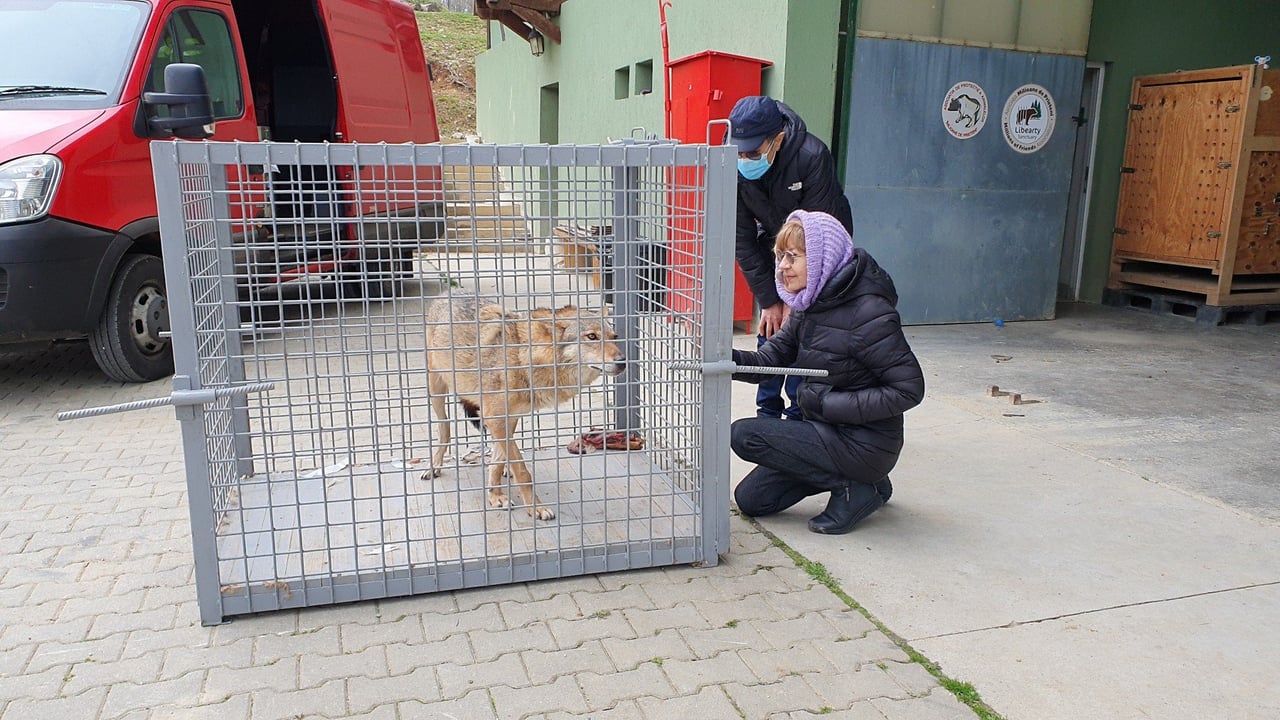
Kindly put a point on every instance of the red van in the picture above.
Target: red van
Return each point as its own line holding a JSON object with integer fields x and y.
{"x": 79, "y": 238}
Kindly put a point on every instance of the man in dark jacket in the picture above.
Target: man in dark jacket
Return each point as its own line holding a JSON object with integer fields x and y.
{"x": 843, "y": 320}
{"x": 781, "y": 168}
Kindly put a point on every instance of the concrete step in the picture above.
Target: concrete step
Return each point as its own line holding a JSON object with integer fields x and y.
{"x": 472, "y": 193}
{"x": 469, "y": 173}
{"x": 513, "y": 224}
{"x": 484, "y": 233}
{"x": 485, "y": 209}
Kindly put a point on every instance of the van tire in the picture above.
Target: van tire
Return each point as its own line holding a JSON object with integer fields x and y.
{"x": 381, "y": 274}
{"x": 392, "y": 271}
{"x": 126, "y": 342}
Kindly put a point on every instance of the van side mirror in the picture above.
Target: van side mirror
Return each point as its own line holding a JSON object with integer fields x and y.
{"x": 186, "y": 95}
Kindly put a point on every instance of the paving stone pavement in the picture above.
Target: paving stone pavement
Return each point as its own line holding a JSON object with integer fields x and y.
{"x": 98, "y": 617}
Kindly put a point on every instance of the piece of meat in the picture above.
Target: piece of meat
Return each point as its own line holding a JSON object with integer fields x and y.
{"x": 598, "y": 438}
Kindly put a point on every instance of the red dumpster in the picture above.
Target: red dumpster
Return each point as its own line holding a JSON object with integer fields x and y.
{"x": 704, "y": 87}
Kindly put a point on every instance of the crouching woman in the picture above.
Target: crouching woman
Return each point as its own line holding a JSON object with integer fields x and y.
{"x": 844, "y": 320}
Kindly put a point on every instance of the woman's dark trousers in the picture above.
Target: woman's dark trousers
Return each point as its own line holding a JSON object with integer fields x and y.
{"x": 792, "y": 464}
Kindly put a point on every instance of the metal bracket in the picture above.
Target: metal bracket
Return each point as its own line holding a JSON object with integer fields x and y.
{"x": 178, "y": 398}
{"x": 645, "y": 138}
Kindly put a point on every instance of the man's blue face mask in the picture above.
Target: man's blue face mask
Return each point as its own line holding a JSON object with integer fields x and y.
{"x": 753, "y": 169}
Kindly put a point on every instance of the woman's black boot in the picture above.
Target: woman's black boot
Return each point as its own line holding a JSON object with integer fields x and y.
{"x": 885, "y": 489}
{"x": 846, "y": 508}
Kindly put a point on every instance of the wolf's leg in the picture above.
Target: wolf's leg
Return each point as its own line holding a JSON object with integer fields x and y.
{"x": 523, "y": 478}
{"x": 438, "y": 390}
{"x": 498, "y": 463}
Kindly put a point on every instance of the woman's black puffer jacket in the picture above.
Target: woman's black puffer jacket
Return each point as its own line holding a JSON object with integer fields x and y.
{"x": 853, "y": 331}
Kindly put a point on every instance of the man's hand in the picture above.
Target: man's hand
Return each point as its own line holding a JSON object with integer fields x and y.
{"x": 771, "y": 318}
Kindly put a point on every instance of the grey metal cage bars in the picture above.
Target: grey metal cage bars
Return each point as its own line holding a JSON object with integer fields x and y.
{"x": 314, "y": 268}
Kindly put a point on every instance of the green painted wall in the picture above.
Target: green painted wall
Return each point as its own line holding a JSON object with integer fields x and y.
{"x": 601, "y": 37}
{"x": 1139, "y": 37}
{"x": 813, "y": 47}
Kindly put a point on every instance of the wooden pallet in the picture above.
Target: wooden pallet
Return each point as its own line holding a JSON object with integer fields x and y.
{"x": 1156, "y": 277}
{"x": 1190, "y": 306}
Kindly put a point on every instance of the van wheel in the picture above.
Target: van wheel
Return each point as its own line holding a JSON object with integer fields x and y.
{"x": 127, "y": 342}
{"x": 381, "y": 274}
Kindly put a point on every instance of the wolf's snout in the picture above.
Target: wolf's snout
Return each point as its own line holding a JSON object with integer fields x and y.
{"x": 611, "y": 368}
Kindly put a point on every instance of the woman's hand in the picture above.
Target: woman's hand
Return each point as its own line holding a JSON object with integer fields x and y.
{"x": 809, "y": 397}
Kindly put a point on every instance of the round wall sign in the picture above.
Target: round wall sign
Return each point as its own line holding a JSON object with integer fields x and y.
{"x": 1028, "y": 118}
{"x": 964, "y": 109}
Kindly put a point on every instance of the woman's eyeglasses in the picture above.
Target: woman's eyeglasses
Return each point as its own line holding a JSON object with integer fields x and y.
{"x": 790, "y": 256}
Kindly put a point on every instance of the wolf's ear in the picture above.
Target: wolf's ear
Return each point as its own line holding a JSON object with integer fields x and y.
{"x": 562, "y": 329}
{"x": 568, "y": 311}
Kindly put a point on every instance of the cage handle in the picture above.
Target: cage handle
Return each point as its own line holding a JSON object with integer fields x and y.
{"x": 713, "y": 368}
{"x": 177, "y": 398}
{"x": 728, "y": 129}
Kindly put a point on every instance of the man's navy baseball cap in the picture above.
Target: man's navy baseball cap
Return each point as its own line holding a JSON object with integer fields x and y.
{"x": 755, "y": 119}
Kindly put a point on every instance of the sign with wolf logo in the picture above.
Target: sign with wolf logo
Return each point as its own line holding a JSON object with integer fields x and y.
{"x": 964, "y": 109}
{"x": 1028, "y": 118}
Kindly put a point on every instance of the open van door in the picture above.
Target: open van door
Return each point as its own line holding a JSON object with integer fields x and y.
{"x": 383, "y": 83}
{"x": 384, "y": 95}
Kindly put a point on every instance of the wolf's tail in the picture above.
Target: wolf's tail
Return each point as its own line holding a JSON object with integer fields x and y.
{"x": 472, "y": 412}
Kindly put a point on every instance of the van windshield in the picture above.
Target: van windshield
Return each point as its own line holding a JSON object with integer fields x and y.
{"x": 67, "y": 54}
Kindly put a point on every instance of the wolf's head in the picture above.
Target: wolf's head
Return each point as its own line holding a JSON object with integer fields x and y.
{"x": 587, "y": 337}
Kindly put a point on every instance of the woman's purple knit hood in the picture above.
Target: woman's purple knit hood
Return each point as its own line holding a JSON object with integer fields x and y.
{"x": 827, "y": 248}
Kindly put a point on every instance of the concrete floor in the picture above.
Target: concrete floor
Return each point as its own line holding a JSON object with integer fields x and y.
{"x": 1108, "y": 549}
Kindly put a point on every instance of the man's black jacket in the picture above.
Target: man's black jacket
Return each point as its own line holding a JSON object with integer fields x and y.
{"x": 802, "y": 177}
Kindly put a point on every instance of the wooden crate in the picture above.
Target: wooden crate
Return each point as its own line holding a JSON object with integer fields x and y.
{"x": 578, "y": 249}
{"x": 1199, "y": 204}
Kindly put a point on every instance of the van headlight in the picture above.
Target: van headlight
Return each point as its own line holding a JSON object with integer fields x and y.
{"x": 27, "y": 186}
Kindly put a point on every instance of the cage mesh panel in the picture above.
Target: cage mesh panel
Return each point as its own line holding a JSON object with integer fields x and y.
{"x": 202, "y": 262}
{"x": 314, "y": 267}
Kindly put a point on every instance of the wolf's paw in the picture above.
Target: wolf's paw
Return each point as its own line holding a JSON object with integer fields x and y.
{"x": 499, "y": 499}
{"x": 542, "y": 512}
{"x": 430, "y": 473}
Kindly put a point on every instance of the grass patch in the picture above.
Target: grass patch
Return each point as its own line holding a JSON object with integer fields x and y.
{"x": 963, "y": 691}
{"x": 451, "y": 42}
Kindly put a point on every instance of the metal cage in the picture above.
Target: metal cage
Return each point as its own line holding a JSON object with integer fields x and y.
{"x": 313, "y": 270}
